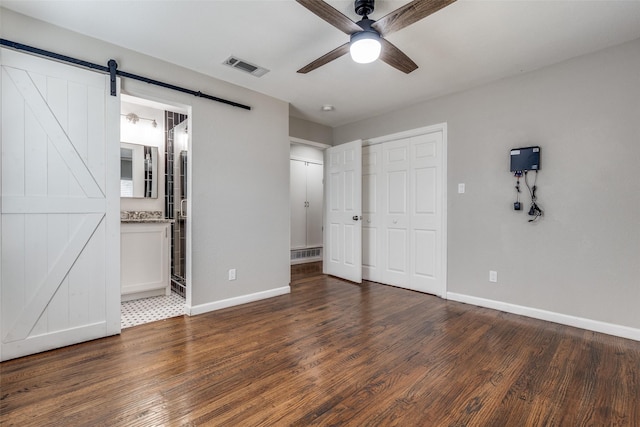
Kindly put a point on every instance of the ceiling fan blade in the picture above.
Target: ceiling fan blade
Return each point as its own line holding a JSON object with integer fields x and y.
{"x": 408, "y": 14}
{"x": 331, "y": 15}
{"x": 396, "y": 58}
{"x": 324, "y": 59}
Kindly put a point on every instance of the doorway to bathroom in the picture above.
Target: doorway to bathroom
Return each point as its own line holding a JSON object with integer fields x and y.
{"x": 154, "y": 223}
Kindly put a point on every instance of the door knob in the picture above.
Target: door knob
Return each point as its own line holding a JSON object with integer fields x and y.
{"x": 356, "y": 217}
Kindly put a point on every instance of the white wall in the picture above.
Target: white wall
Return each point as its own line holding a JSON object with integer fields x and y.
{"x": 583, "y": 258}
{"x": 310, "y": 131}
{"x": 239, "y": 159}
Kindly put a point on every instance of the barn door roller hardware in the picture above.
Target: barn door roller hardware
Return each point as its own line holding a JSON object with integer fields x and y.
{"x": 112, "y": 70}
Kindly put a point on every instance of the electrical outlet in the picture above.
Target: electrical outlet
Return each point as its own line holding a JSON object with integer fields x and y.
{"x": 232, "y": 274}
{"x": 493, "y": 276}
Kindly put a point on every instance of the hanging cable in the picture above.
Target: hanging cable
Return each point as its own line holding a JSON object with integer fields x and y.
{"x": 534, "y": 210}
{"x": 517, "y": 206}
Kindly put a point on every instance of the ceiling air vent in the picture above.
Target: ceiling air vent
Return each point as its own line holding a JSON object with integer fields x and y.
{"x": 240, "y": 64}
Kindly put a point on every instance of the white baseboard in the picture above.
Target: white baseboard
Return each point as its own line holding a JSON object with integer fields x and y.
{"x": 550, "y": 316}
{"x": 231, "y": 302}
{"x": 306, "y": 260}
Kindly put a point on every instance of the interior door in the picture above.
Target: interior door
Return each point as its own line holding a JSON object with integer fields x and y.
{"x": 343, "y": 211}
{"x": 60, "y": 229}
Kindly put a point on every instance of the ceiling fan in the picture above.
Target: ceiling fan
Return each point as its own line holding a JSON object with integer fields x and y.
{"x": 369, "y": 34}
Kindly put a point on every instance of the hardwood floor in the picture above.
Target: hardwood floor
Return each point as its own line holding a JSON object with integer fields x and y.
{"x": 302, "y": 273}
{"x": 333, "y": 353}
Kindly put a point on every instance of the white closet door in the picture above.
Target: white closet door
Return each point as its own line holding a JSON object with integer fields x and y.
{"x": 371, "y": 229}
{"x": 298, "y": 191}
{"x": 396, "y": 190}
{"x": 60, "y": 277}
{"x": 315, "y": 186}
{"x": 343, "y": 211}
{"x": 426, "y": 214}
{"x": 403, "y": 212}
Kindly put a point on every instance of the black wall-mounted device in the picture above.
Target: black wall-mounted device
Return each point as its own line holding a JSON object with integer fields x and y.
{"x": 525, "y": 159}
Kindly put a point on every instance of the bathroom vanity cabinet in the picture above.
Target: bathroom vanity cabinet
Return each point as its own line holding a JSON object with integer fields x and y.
{"x": 144, "y": 258}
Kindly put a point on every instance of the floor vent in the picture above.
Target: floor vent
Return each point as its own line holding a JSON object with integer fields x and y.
{"x": 306, "y": 255}
{"x": 245, "y": 66}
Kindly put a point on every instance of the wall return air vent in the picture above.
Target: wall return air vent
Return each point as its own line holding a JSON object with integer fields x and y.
{"x": 245, "y": 66}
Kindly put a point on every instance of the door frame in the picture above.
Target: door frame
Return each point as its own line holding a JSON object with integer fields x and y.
{"x": 440, "y": 127}
{"x": 322, "y": 147}
{"x": 162, "y": 103}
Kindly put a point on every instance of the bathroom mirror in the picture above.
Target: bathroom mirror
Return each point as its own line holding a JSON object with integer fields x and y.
{"x": 138, "y": 170}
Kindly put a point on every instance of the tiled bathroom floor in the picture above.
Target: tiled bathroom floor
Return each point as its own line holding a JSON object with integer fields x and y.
{"x": 147, "y": 310}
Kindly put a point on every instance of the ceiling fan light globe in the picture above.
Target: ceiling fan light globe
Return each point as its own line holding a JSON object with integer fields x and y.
{"x": 365, "y": 47}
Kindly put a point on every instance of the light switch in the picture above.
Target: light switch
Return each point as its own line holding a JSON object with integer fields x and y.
{"x": 460, "y": 188}
{"x": 493, "y": 276}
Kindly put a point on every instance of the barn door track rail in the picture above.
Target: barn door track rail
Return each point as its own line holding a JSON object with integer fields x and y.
{"x": 112, "y": 70}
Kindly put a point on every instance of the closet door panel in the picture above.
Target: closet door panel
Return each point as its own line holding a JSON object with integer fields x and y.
{"x": 314, "y": 205}
{"x": 298, "y": 190}
{"x": 371, "y": 192}
{"x": 424, "y": 254}
{"x": 397, "y": 253}
{"x": 426, "y": 215}
{"x": 369, "y": 231}
{"x": 403, "y": 213}
{"x": 395, "y": 209}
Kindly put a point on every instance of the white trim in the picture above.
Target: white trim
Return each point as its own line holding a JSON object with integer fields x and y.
{"x": 407, "y": 134}
{"x": 231, "y": 302}
{"x": 295, "y": 140}
{"x": 146, "y": 99}
{"x": 550, "y": 316}
{"x": 306, "y": 260}
{"x": 189, "y": 226}
{"x": 445, "y": 183}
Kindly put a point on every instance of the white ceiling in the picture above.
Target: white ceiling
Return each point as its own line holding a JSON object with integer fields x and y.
{"x": 468, "y": 43}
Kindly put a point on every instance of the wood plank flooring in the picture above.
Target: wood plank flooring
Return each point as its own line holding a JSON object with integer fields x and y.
{"x": 333, "y": 353}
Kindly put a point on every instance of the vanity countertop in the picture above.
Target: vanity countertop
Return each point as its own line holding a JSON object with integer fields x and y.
{"x": 147, "y": 220}
{"x": 144, "y": 217}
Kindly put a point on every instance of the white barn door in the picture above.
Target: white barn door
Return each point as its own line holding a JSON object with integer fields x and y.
{"x": 59, "y": 243}
{"x": 343, "y": 211}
